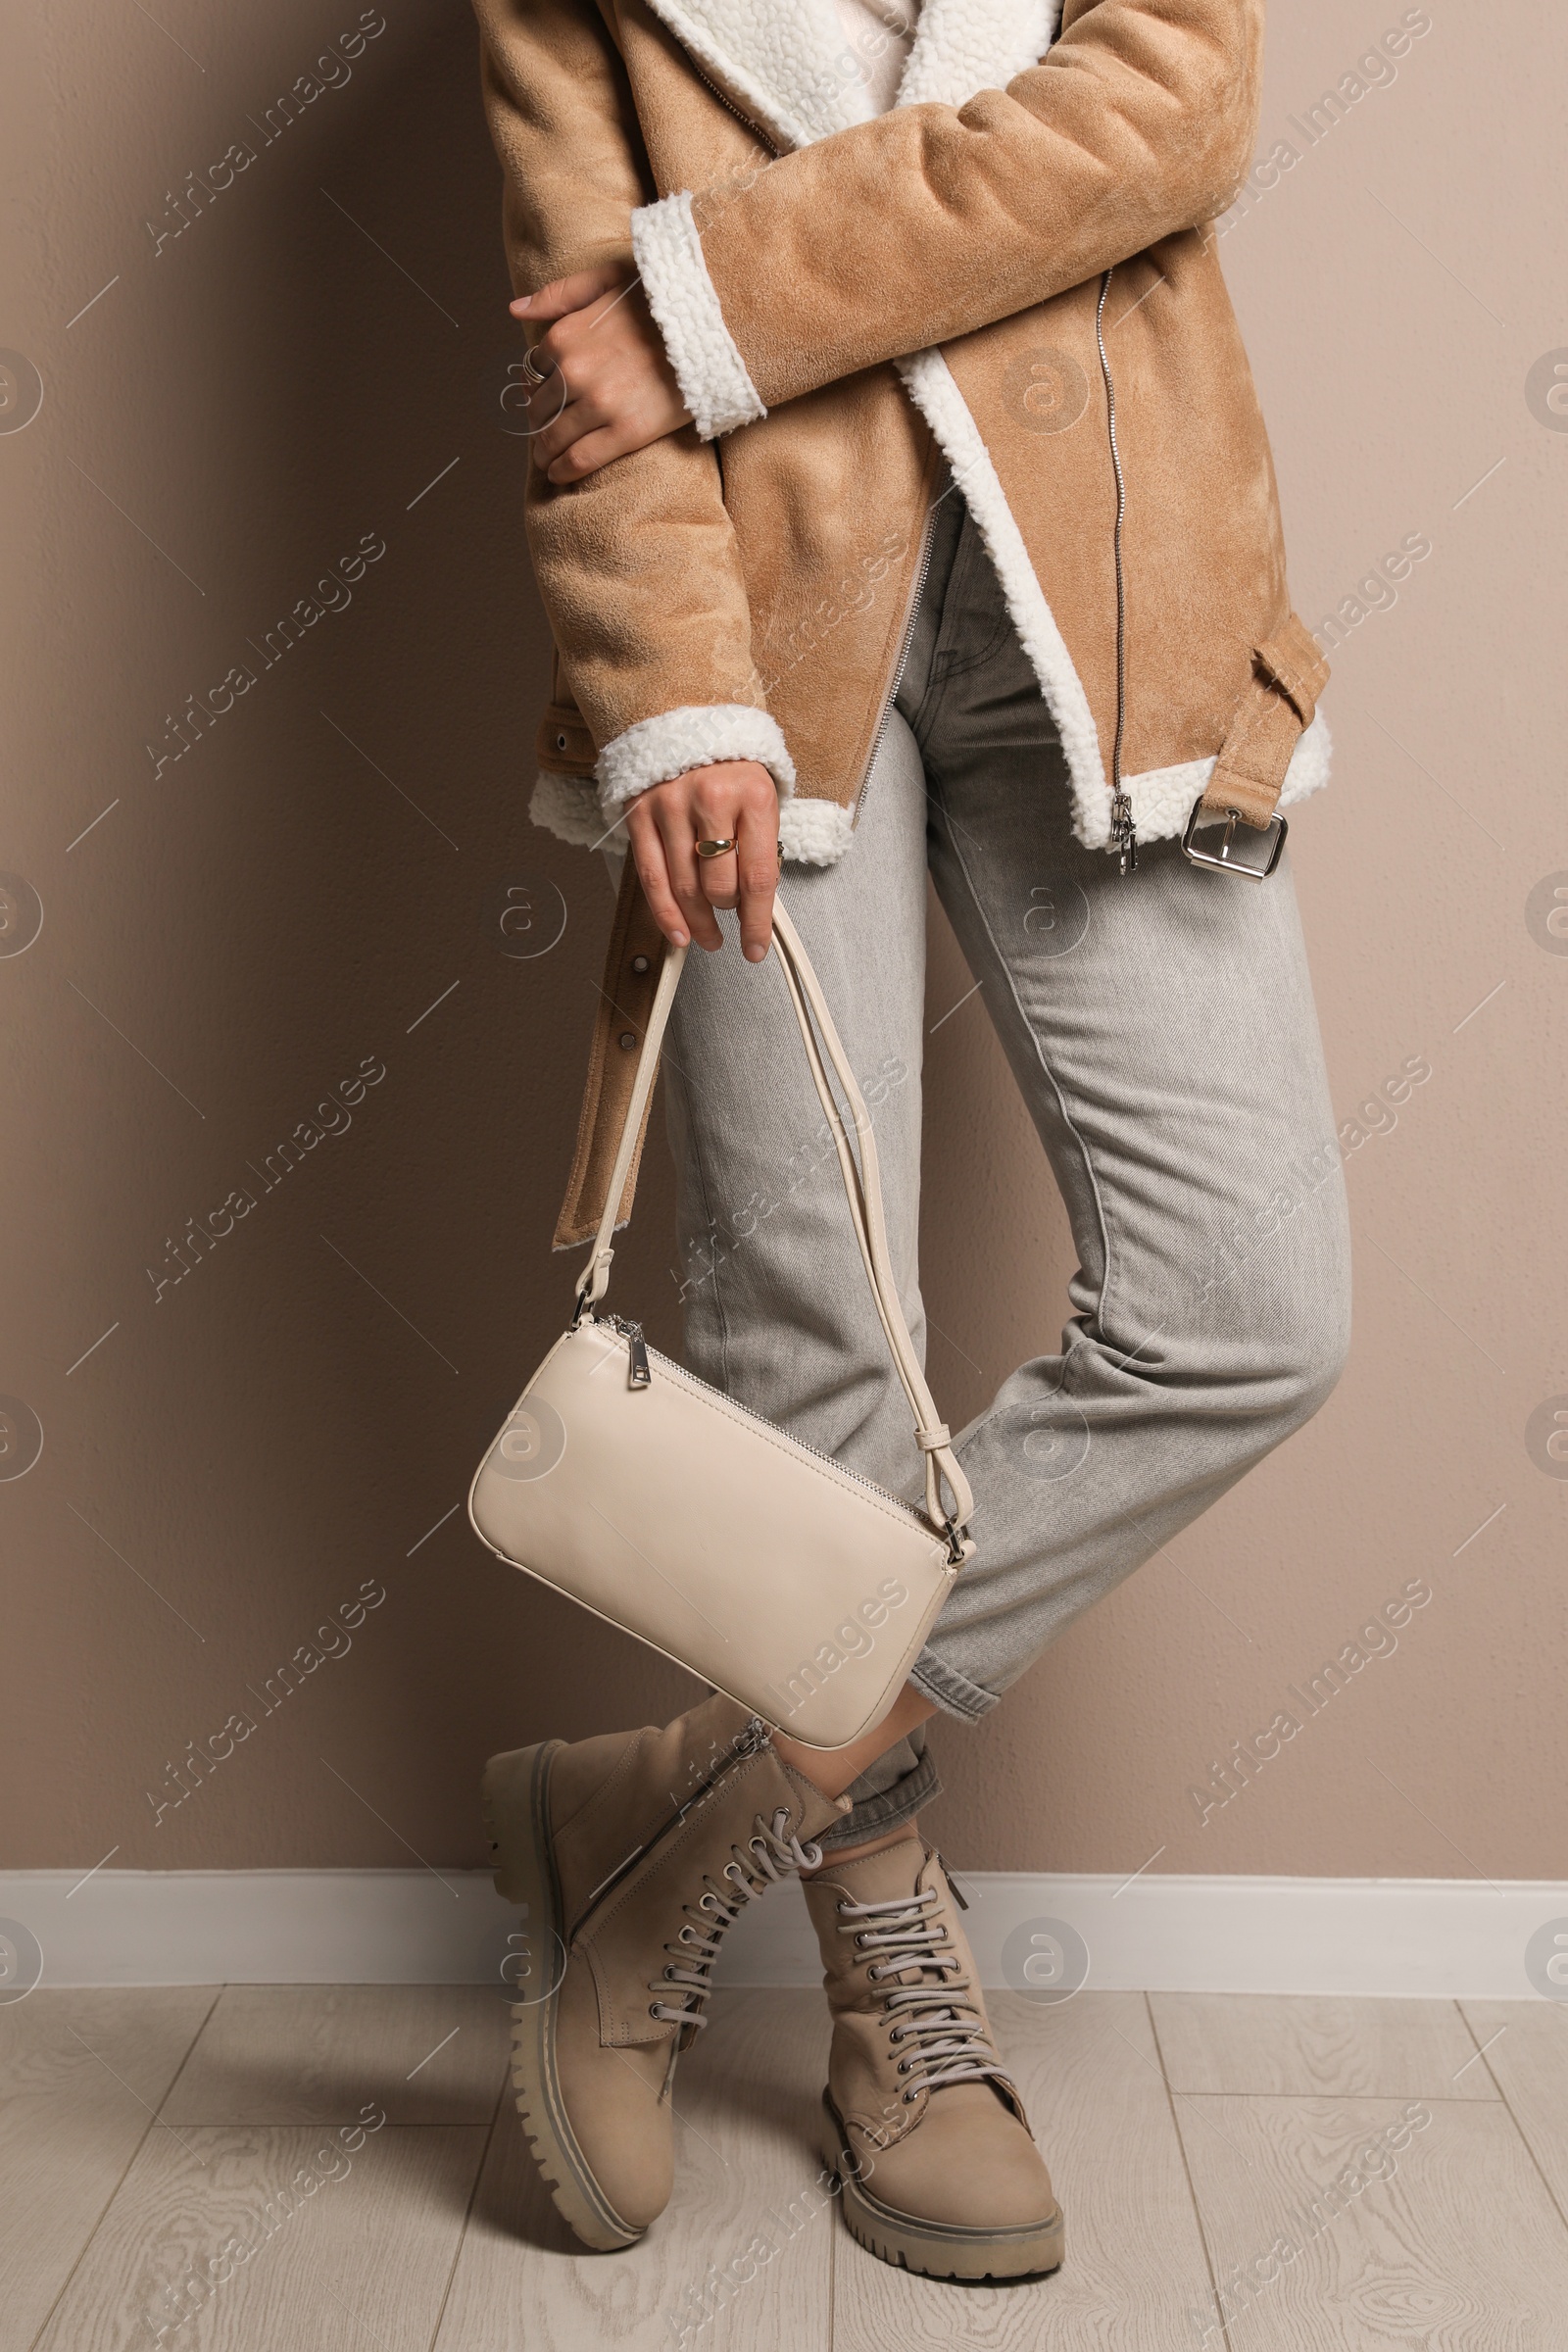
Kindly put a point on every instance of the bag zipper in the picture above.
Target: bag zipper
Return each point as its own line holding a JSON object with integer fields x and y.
{"x": 1123, "y": 832}
{"x": 644, "y": 1358}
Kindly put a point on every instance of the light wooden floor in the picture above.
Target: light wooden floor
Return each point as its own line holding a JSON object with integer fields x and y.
{"x": 141, "y": 2131}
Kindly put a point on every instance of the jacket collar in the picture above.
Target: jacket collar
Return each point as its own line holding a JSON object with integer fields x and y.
{"x": 785, "y": 62}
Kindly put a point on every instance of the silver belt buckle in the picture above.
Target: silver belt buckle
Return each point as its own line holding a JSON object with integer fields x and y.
{"x": 1221, "y": 860}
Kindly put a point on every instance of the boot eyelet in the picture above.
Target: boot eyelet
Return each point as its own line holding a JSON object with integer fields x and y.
{"x": 909, "y": 2097}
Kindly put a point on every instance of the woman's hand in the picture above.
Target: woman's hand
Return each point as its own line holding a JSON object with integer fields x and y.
{"x": 611, "y": 388}
{"x": 734, "y": 800}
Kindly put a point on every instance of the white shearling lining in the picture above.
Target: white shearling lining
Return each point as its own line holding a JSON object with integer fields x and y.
{"x": 709, "y": 367}
{"x": 965, "y": 46}
{"x": 814, "y": 832}
{"x": 568, "y": 807}
{"x": 696, "y": 736}
{"x": 931, "y": 386}
{"x": 788, "y": 65}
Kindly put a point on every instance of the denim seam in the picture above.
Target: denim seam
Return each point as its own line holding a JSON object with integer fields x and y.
{"x": 942, "y": 672}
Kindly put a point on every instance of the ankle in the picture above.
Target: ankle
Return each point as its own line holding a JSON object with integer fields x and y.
{"x": 840, "y": 1854}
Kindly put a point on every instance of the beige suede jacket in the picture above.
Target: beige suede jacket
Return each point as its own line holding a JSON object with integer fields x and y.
{"x": 1012, "y": 269}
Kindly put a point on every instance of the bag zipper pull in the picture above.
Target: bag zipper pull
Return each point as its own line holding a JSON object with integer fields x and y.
{"x": 638, "y": 1375}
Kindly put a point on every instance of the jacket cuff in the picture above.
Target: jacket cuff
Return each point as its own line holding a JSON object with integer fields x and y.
{"x": 709, "y": 367}
{"x": 657, "y": 748}
{"x": 568, "y": 807}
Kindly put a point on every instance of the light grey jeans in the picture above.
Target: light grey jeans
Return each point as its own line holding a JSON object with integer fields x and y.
{"x": 1161, "y": 1030}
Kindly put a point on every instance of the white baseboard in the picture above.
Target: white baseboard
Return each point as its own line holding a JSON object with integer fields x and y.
{"x": 1438, "y": 1938}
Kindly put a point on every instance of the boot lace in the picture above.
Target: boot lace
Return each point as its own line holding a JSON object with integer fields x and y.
{"x": 947, "y": 2032}
{"x": 771, "y": 1854}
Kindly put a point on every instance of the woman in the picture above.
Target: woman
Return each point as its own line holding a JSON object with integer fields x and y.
{"x": 901, "y": 503}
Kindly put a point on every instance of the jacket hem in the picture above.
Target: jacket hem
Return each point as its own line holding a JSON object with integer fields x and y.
{"x": 1162, "y": 797}
{"x": 709, "y": 367}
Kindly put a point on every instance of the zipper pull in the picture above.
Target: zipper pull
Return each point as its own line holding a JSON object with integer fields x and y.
{"x": 958, "y": 1895}
{"x": 1123, "y": 833}
{"x": 638, "y": 1376}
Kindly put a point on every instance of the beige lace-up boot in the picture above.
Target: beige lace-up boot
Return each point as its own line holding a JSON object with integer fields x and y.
{"x": 631, "y": 1854}
{"x": 938, "y": 2169}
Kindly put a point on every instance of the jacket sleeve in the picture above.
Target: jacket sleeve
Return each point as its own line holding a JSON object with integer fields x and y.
{"x": 932, "y": 221}
{"x": 637, "y": 566}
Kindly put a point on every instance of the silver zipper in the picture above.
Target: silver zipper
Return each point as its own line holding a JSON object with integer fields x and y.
{"x": 928, "y": 533}
{"x": 754, "y": 127}
{"x": 652, "y": 1355}
{"x": 1123, "y": 833}
{"x": 749, "y": 1741}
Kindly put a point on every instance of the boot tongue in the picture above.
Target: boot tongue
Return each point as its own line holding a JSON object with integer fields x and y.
{"x": 892, "y": 1875}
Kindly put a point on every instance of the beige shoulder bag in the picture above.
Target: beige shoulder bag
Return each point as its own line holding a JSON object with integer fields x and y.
{"x": 798, "y": 1587}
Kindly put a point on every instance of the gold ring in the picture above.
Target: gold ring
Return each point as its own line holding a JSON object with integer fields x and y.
{"x": 716, "y": 849}
{"x": 532, "y": 373}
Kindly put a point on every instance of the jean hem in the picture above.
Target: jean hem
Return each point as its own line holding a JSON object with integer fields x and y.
{"x": 875, "y": 1816}
{"x": 951, "y": 1690}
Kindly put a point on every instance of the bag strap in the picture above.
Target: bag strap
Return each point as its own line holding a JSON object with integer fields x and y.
{"x": 862, "y": 1189}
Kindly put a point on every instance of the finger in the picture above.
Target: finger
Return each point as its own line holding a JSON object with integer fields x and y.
{"x": 560, "y": 427}
{"x": 676, "y": 827}
{"x": 757, "y": 877}
{"x": 718, "y": 877}
{"x": 648, "y": 849}
{"x": 597, "y": 447}
{"x": 545, "y": 405}
{"x": 573, "y": 293}
{"x": 716, "y": 812}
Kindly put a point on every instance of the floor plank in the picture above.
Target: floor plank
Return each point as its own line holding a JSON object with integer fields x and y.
{"x": 1457, "y": 2248}
{"x": 428, "y": 2054}
{"x": 81, "y": 2074}
{"x": 1316, "y": 2046}
{"x": 1089, "y": 2076}
{"x": 1527, "y": 2051}
{"x": 745, "y": 2097}
{"x": 364, "y": 2258}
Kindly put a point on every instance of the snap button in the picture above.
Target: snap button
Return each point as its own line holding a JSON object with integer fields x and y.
{"x": 639, "y": 964}
{"x": 627, "y": 1039}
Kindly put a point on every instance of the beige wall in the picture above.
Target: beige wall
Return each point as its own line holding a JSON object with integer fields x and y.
{"x": 314, "y": 884}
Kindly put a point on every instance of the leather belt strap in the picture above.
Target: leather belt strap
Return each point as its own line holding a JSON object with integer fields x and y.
{"x": 1289, "y": 673}
{"x": 625, "y": 1001}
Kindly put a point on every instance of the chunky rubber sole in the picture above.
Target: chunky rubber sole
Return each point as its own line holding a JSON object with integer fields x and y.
{"x": 936, "y": 2249}
{"x": 516, "y": 1800}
